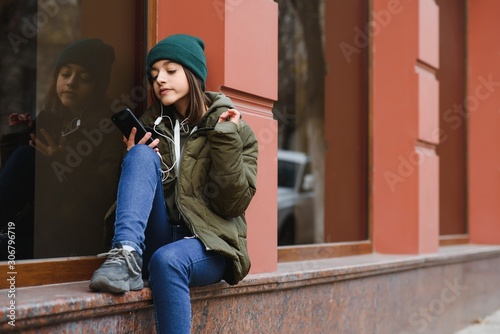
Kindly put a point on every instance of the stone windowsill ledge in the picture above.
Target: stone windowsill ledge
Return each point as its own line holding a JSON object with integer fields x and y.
{"x": 43, "y": 305}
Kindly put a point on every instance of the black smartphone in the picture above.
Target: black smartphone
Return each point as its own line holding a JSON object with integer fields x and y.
{"x": 125, "y": 120}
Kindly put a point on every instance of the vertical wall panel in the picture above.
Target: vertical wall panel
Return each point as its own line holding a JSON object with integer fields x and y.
{"x": 404, "y": 107}
{"x": 483, "y": 106}
{"x": 346, "y": 120}
{"x": 452, "y": 124}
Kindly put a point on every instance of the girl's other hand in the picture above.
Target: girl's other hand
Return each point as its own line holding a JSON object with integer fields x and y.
{"x": 130, "y": 142}
{"x": 231, "y": 115}
{"x": 20, "y": 119}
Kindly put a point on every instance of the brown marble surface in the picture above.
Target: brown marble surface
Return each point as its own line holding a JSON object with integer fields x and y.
{"x": 374, "y": 293}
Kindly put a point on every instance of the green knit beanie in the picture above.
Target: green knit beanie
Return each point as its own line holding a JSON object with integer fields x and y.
{"x": 183, "y": 49}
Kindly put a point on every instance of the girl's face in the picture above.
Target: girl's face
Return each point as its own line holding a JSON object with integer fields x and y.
{"x": 74, "y": 87}
{"x": 170, "y": 84}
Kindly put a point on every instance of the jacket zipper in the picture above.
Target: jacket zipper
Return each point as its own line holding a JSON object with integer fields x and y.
{"x": 182, "y": 215}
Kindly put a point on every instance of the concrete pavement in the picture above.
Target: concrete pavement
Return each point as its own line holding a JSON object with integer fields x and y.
{"x": 488, "y": 325}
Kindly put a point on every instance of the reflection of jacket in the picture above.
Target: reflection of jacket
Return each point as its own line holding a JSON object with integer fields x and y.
{"x": 76, "y": 186}
{"x": 216, "y": 182}
{"x": 90, "y": 159}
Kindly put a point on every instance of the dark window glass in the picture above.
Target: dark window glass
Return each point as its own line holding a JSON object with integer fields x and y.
{"x": 66, "y": 67}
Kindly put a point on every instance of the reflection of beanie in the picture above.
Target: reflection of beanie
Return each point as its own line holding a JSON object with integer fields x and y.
{"x": 183, "y": 49}
{"x": 93, "y": 54}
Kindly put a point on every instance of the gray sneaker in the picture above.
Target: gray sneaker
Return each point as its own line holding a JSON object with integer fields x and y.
{"x": 121, "y": 272}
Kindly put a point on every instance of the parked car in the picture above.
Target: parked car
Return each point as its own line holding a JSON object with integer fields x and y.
{"x": 295, "y": 198}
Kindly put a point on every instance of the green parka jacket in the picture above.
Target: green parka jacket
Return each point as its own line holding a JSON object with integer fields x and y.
{"x": 215, "y": 183}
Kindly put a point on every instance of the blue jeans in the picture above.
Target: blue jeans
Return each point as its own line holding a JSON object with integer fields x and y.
{"x": 174, "y": 258}
{"x": 17, "y": 182}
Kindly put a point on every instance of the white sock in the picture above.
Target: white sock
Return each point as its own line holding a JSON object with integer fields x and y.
{"x": 128, "y": 248}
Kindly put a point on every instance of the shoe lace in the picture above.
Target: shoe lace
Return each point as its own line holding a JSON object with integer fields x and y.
{"x": 120, "y": 255}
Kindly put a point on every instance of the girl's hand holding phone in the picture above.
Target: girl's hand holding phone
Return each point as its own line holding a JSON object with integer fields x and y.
{"x": 130, "y": 142}
{"x": 50, "y": 147}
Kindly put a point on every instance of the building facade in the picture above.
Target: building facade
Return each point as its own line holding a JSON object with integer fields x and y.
{"x": 415, "y": 83}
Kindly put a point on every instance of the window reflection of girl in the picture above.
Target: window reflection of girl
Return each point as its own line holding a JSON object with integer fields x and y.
{"x": 78, "y": 151}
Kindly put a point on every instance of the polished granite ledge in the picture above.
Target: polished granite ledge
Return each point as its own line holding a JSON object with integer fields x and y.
{"x": 51, "y": 304}
{"x": 303, "y": 273}
{"x": 71, "y": 302}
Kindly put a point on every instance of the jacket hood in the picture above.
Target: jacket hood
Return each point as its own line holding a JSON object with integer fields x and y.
{"x": 219, "y": 100}
{"x": 220, "y": 103}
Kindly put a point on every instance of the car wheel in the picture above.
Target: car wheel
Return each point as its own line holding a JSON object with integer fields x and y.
{"x": 286, "y": 235}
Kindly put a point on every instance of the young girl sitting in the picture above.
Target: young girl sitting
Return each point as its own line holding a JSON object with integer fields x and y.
{"x": 180, "y": 211}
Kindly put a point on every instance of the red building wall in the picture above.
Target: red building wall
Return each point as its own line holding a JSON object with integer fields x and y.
{"x": 404, "y": 109}
{"x": 483, "y": 107}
